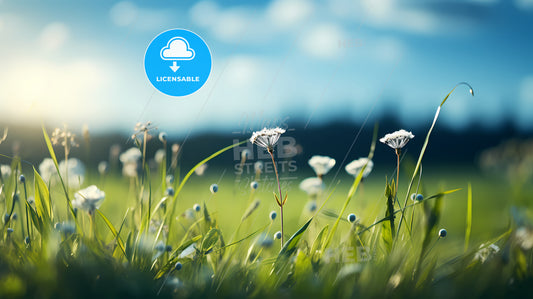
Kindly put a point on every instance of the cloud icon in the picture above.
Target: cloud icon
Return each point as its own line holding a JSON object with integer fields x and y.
{"x": 177, "y": 49}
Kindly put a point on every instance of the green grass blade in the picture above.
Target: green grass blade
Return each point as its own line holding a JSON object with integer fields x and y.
{"x": 290, "y": 246}
{"x": 424, "y": 146}
{"x": 113, "y": 231}
{"x": 468, "y": 217}
{"x": 353, "y": 189}
{"x": 188, "y": 175}
{"x": 42, "y": 197}
{"x": 53, "y": 156}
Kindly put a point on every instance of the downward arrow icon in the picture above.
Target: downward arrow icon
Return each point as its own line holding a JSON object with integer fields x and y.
{"x": 174, "y": 67}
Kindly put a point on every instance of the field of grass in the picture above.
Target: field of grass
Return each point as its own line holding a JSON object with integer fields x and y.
{"x": 466, "y": 234}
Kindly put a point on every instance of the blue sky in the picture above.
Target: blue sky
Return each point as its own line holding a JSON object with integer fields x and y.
{"x": 82, "y": 62}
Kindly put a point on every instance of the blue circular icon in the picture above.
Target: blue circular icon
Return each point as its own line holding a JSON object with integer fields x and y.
{"x": 177, "y": 62}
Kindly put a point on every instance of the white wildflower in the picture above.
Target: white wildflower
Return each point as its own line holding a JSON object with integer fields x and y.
{"x": 130, "y": 170}
{"x": 130, "y": 156}
{"x": 267, "y": 138}
{"x": 321, "y": 164}
{"x": 200, "y": 170}
{"x": 130, "y": 160}
{"x": 103, "y": 167}
{"x": 47, "y": 169}
{"x": 73, "y": 170}
{"x": 312, "y": 186}
{"x": 524, "y": 237}
{"x": 398, "y": 139}
{"x": 5, "y": 170}
{"x": 160, "y": 156}
{"x": 88, "y": 199}
{"x": 354, "y": 167}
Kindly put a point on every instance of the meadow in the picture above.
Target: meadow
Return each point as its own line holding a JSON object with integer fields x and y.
{"x": 135, "y": 227}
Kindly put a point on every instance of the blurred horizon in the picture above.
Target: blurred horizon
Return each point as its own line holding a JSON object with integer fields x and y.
{"x": 314, "y": 62}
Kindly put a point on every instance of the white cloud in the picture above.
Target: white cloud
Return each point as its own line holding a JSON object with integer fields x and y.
{"x": 128, "y": 14}
{"x": 228, "y": 25}
{"x": 524, "y": 4}
{"x": 323, "y": 41}
{"x": 387, "y": 14}
{"x": 54, "y": 36}
{"x": 285, "y": 13}
{"x": 204, "y": 13}
{"x": 243, "y": 72}
{"x": 123, "y": 13}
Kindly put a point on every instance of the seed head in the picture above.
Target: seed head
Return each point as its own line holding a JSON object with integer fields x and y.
{"x": 196, "y": 207}
{"x": 273, "y": 215}
{"x": 277, "y": 235}
{"x": 178, "y": 266}
{"x": 443, "y": 233}
{"x": 352, "y": 218}
{"x": 213, "y": 188}
{"x": 163, "y": 137}
{"x": 254, "y": 185}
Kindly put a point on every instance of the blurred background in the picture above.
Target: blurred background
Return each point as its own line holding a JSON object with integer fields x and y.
{"x": 324, "y": 70}
{"x": 293, "y": 61}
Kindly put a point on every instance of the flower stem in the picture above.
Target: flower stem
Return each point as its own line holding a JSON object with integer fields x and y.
{"x": 397, "y": 173}
{"x": 280, "y": 197}
{"x": 145, "y": 136}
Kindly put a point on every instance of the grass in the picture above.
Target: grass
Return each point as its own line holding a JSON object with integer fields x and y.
{"x": 146, "y": 242}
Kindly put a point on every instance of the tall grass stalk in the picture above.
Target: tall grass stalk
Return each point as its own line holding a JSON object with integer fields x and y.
{"x": 281, "y": 201}
{"x": 419, "y": 162}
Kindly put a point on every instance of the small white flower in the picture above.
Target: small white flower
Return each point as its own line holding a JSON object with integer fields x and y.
{"x": 175, "y": 148}
{"x": 132, "y": 155}
{"x": 103, "y": 167}
{"x": 312, "y": 186}
{"x": 75, "y": 170}
{"x": 267, "y": 138}
{"x": 398, "y": 139}
{"x": 47, "y": 169}
{"x": 88, "y": 199}
{"x": 354, "y": 167}
{"x": 277, "y": 235}
{"x": 130, "y": 169}
{"x": 321, "y": 164}
{"x": 443, "y": 233}
{"x": 160, "y": 156}
{"x": 524, "y": 237}
{"x": 273, "y": 215}
{"x": 200, "y": 170}
{"x": 6, "y": 170}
